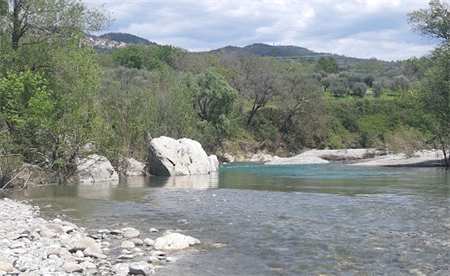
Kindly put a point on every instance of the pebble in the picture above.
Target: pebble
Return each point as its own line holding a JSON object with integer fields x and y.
{"x": 30, "y": 245}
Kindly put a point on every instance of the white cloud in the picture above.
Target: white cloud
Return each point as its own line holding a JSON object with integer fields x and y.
{"x": 360, "y": 28}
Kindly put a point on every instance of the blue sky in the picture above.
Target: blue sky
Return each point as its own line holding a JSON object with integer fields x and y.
{"x": 355, "y": 28}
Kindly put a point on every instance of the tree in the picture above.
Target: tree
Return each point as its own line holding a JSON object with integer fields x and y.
{"x": 359, "y": 89}
{"x": 327, "y": 65}
{"x": 213, "y": 98}
{"x": 130, "y": 56}
{"x": 262, "y": 83}
{"x": 433, "y": 22}
{"x": 300, "y": 95}
{"x": 433, "y": 93}
{"x": 36, "y": 20}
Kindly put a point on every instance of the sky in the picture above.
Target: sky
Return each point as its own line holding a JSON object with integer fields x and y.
{"x": 354, "y": 28}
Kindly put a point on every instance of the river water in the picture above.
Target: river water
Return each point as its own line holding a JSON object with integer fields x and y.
{"x": 252, "y": 219}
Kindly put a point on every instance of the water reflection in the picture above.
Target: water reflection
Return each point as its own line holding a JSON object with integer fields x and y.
{"x": 196, "y": 182}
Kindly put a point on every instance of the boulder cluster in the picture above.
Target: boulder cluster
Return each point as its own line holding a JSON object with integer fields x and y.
{"x": 30, "y": 245}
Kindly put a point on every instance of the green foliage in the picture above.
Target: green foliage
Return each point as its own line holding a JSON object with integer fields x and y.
{"x": 327, "y": 65}
{"x": 433, "y": 22}
{"x": 130, "y": 57}
{"x": 213, "y": 99}
{"x": 156, "y": 57}
{"x": 359, "y": 89}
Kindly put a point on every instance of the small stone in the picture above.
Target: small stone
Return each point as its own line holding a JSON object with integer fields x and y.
{"x": 47, "y": 233}
{"x": 89, "y": 252}
{"x": 142, "y": 268}
{"x": 17, "y": 245}
{"x": 153, "y": 230}
{"x": 71, "y": 267}
{"x": 88, "y": 265}
{"x": 137, "y": 242}
{"x": 127, "y": 244}
{"x": 158, "y": 253}
{"x": 171, "y": 259}
{"x": 151, "y": 259}
{"x": 6, "y": 266}
{"x": 68, "y": 228}
{"x": 104, "y": 231}
{"x": 12, "y": 236}
{"x": 5, "y": 243}
{"x": 174, "y": 241}
{"x": 126, "y": 257}
{"x": 130, "y": 233}
{"x": 79, "y": 254}
{"x": 149, "y": 242}
{"x": 116, "y": 232}
{"x": 121, "y": 269}
{"x": 53, "y": 250}
{"x": 84, "y": 243}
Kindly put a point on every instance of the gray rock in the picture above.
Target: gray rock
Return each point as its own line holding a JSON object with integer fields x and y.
{"x": 71, "y": 267}
{"x": 137, "y": 242}
{"x": 142, "y": 268}
{"x": 153, "y": 230}
{"x": 127, "y": 245}
{"x": 130, "y": 233}
{"x": 53, "y": 250}
{"x": 95, "y": 168}
{"x": 174, "y": 241}
{"x": 121, "y": 269}
{"x": 131, "y": 167}
{"x": 126, "y": 257}
{"x": 149, "y": 242}
{"x": 168, "y": 156}
{"x": 90, "y": 252}
{"x": 227, "y": 158}
{"x": 85, "y": 243}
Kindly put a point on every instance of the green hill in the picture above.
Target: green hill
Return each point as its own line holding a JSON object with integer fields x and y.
{"x": 285, "y": 52}
{"x": 126, "y": 38}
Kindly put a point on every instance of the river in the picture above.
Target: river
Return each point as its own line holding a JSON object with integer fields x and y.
{"x": 331, "y": 219}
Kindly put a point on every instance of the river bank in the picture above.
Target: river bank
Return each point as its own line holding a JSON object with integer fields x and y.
{"x": 359, "y": 157}
{"x": 31, "y": 245}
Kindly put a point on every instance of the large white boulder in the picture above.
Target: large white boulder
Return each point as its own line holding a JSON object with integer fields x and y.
{"x": 95, "y": 168}
{"x": 168, "y": 156}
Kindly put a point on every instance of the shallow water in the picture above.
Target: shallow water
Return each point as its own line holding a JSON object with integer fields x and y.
{"x": 279, "y": 220}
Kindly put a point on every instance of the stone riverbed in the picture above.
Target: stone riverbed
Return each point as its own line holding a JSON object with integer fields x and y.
{"x": 32, "y": 246}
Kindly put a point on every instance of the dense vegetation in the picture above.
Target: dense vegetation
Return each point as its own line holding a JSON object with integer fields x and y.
{"x": 57, "y": 95}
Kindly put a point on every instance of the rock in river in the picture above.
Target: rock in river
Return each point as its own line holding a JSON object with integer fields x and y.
{"x": 94, "y": 168}
{"x": 174, "y": 241}
{"x": 168, "y": 156}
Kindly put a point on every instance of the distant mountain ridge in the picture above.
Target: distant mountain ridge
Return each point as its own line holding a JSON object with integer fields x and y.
{"x": 285, "y": 52}
{"x": 260, "y": 49}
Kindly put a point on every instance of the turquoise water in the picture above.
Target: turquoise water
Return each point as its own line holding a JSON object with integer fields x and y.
{"x": 279, "y": 220}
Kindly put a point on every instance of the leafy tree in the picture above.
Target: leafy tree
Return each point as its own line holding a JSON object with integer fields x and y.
{"x": 261, "y": 84}
{"x": 300, "y": 96}
{"x": 213, "y": 97}
{"x": 359, "y": 89}
{"x": 39, "y": 20}
{"x": 130, "y": 57}
{"x": 433, "y": 22}
{"x": 433, "y": 94}
{"x": 157, "y": 56}
{"x": 327, "y": 65}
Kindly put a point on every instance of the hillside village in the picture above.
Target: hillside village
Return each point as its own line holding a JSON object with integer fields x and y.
{"x": 104, "y": 43}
